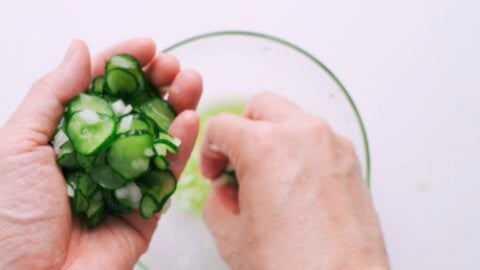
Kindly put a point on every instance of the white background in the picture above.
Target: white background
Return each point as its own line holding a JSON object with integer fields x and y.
{"x": 413, "y": 68}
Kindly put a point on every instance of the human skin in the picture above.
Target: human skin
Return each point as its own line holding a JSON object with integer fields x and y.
{"x": 302, "y": 202}
{"x": 37, "y": 228}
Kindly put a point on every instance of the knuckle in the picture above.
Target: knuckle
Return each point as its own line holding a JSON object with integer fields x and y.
{"x": 42, "y": 85}
{"x": 318, "y": 126}
{"x": 263, "y": 138}
{"x": 259, "y": 100}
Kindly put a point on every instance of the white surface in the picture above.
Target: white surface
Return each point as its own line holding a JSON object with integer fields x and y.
{"x": 411, "y": 66}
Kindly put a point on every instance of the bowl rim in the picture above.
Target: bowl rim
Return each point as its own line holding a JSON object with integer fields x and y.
{"x": 300, "y": 50}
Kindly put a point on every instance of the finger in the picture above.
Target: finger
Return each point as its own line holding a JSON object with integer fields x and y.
{"x": 223, "y": 141}
{"x": 163, "y": 70}
{"x": 184, "y": 127}
{"x": 141, "y": 48}
{"x": 185, "y": 91}
{"x": 270, "y": 107}
{"x": 220, "y": 215}
{"x": 43, "y": 106}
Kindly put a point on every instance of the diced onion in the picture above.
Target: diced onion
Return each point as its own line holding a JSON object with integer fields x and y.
{"x": 126, "y": 122}
{"x": 127, "y": 109}
{"x": 70, "y": 191}
{"x": 139, "y": 164}
{"x": 119, "y": 108}
{"x": 89, "y": 116}
{"x": 59, "y": 140}
{"x": 149, "y": 152}
{"x": 135, "y": 194}
{"x": 122, "y": 193}
{"x": 176, "y": 141}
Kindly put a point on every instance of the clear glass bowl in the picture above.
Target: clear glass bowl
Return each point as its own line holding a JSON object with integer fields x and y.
{"x": 235, "y": 65}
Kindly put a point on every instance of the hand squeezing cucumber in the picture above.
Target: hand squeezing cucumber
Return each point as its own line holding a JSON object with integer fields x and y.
{"x": 112, "y": 144}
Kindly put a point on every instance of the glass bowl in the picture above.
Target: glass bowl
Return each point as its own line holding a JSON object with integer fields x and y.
{"x": 235, "y": 65}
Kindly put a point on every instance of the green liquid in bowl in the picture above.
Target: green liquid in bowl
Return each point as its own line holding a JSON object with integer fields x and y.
{"x": 192, "y": 189}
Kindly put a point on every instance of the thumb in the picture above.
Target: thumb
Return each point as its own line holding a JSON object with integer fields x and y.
{"x": 41, "y": 109}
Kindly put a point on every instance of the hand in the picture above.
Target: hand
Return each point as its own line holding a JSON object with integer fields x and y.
{"x": 301, "y": 203}
{"x": 36, "y": 226}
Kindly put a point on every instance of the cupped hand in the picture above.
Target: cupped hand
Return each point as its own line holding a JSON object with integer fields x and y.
{"x": 301, "y": 201}
{"x": 37, "y": 229}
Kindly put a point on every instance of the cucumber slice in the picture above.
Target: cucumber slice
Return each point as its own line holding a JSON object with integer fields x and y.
{"x": 101, "y": 159}
{"x": 140, "y": 97}
{"x": 161, "y": 162}
{"x": 113, "y": 205}
{"x": 160, "y": 186}
{"x": 66, "y": 157}
{"x": 85, "y": 162}
{"x": 127, "y": 155}
{"x": 89, "y": 132}
{"x": 95, "y": 210}
{"x": 107, "y": 178}
{"x": 130, "y": 64}
{"x": 86, "y": 186}
{"x": 159, "y": 111}
{"x": 80, "y": 202}
{"x": 97, "y": 85}
{"x": 134, "y": 122}
{"x": 169, "y": 145}
{"x": 121, "y": 82}
{"x": 89, "y": 102}
{"x": 129, "y": 196}
{"x": 148, "y": 206}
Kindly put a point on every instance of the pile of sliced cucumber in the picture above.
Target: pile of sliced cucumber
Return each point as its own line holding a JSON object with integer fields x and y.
{"x": 112, "y": 145}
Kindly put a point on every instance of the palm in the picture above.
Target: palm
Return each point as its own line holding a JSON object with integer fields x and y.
{"x": 36, "y": 225}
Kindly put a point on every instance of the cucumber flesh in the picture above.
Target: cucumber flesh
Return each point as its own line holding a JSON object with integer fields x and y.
{"x": 128, "y": 155}
{"x": 161, "y": 162}
{"x": 133, "y": 122}
{"x": 107, "y": 178}
{"x": 148, "y": 206}
{"x": 89, "y": 102}
{"x": 129, "y": 64}
{"x": 120, "y": 82}
{"x": 97, "y": 85}
{"x": 89, "y": 131}
{"x": 80, "y": 202}
{"x": 159, "y": 111}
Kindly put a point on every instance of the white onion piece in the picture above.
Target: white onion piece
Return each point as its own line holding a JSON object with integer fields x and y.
{"x": 70, "y": 191}
{"x": 176, "y": 141}
{"x": 149, "y": 152}
{"x": 118, "y": 107}
{"x": 89, "y": 116}
{"x": 59, "y": 140}
{"x": 126, "y": 122}
{"x": 122, "y": 193}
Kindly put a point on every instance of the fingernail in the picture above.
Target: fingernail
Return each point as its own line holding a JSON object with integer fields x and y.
{"x": 71, "y": 51}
